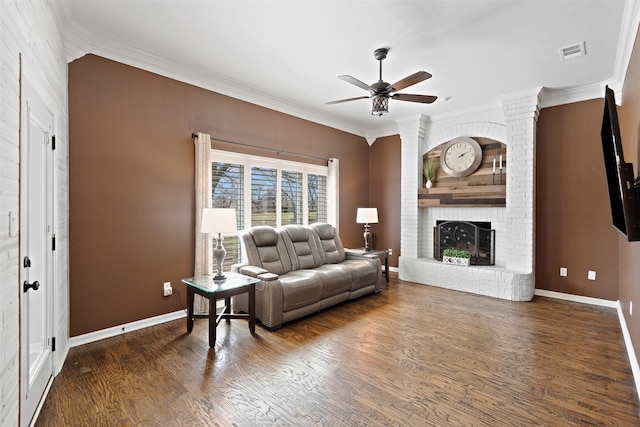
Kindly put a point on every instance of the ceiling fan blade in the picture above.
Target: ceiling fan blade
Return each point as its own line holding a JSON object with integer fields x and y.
{"x": 425, "y": 99}
{"x": 410, "y": 80}
{"x": 355, "y": 81}
{"x": 346, "y": 100}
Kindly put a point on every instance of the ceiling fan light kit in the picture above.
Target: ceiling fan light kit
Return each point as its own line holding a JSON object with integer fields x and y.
{"x": 380, "y": 105}
{"x": 381, "y": 92}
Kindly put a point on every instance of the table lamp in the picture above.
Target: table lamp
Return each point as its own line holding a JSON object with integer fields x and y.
{"x": 221, "y": 221}
{"x": 367, "y": 216}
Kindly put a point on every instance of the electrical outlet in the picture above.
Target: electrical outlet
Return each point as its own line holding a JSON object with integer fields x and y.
{"x": 591, "y": 275}
{"x": 167, "y": 289}
{"x": 390, "y": 251}
{"x": 563, "y": 271}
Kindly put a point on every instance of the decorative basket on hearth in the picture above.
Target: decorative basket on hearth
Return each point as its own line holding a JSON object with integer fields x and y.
{"x": 456, "y": 257}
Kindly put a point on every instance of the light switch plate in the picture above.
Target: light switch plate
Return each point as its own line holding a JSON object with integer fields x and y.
{"x": 591, "y": 275}
{"x": 563, "y": 271}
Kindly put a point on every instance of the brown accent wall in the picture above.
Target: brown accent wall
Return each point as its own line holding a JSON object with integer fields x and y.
{"x": 131, "y": 182}
{"x": 629, "y": 117}
{"x": 384, "y": 193}
{"x": 573, "y": 219}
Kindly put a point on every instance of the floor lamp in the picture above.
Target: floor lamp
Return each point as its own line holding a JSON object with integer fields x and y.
{"x": 367, "y": 216}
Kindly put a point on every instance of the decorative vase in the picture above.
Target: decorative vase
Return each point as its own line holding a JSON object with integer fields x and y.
{"x": 429, "y": 184}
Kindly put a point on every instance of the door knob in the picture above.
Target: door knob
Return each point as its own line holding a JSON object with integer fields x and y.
{"x": 26, "y": 285}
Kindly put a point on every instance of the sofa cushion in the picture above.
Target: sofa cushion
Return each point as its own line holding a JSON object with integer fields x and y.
{"x": 336, "y": 279}
{"x": 266, "y": 249}
{"x": 331, "y": 248}
{"x": 300, "y": 288}
{"x": 263, "y": 235}
{"x": 302, "y": 247}
{"x": 363, "y": 272}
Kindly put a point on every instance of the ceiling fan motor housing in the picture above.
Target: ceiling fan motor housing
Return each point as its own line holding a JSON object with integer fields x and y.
{"x": 380, "y": 88}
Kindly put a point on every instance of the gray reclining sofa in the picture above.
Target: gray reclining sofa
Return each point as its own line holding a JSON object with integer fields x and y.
{"x": 303, "y": 269}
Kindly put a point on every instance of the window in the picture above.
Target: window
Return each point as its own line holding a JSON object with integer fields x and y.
{"x": 278, "y": 193}
{"x": 317, "y": 205}
{"x": 291, "y": 197}
{"x": 264, "y": 186}
{"x": 227, "y": 191}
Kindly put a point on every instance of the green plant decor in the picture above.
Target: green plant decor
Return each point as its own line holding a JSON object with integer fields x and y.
{"x": 430, "y": 167}
{"x": 456, "y": 253}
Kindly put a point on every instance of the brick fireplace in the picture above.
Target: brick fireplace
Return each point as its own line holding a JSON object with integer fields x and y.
{"x": 512, "y": 121}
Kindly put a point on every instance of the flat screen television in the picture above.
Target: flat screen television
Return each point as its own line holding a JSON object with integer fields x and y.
{"x": 624, "y": 194}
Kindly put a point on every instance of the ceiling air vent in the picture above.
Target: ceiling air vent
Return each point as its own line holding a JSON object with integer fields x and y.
{"x": 573, "y": 51}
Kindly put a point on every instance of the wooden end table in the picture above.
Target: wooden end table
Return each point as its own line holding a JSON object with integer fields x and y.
{"x": 214, "y": 290}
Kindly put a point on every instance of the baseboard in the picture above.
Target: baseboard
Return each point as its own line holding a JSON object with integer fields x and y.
{"x": 633, "y": 360}
{"x": 59, "y": 360}
{"x": 42, "y": 400}
{"x": 576, "y": 298}
{"x": 393, "y": 269}
{"x": 123, "y": 329}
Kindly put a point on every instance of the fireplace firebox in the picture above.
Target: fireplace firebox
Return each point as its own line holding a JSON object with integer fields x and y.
{"x": 477, "y": 237}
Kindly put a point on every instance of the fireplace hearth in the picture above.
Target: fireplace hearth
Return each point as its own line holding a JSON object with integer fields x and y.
{"x": 477, "y": 237}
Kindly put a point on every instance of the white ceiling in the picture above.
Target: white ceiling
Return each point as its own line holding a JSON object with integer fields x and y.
{"x": 286, "y": 55}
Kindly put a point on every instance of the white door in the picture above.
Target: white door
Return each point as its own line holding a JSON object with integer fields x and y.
{"x": 36, "y": 253}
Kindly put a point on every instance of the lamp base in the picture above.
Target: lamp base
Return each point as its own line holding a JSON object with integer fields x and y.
{"x": 219, "y": 253}
{"x": 367, "y": 237}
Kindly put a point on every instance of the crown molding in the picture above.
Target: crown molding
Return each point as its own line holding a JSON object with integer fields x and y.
{"x": 626, "y": 41}
{"x": 79, "y": 43}
{"x": 372, "y": 134}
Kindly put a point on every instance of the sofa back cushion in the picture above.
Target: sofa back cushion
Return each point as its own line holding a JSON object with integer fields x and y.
{"x": 265, "y": 248}
{"x": 303, "y": 248}
{"x": 331, "y": 249}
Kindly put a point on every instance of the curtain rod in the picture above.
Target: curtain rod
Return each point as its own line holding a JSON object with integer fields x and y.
{"x": 194, "y": 135}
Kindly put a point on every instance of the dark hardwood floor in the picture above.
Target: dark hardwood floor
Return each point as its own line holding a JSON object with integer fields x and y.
{"x": 413, "y": 355}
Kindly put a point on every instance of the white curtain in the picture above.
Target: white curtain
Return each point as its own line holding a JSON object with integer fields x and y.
{"x": 333, "y": 192}
{"x": 203, "y": 259}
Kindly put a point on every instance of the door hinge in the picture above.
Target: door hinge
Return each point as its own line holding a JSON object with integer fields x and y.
{"x": 53, "y": 243}
{"x": 53, "y": 344}
{"x": 53, "y": 142}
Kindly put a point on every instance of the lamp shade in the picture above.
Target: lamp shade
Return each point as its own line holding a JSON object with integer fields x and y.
{"x": 215, "y": 220}
{"x": 367, "y": 216}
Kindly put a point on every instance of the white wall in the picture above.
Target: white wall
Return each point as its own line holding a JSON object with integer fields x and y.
{"x": 30, "y": 29}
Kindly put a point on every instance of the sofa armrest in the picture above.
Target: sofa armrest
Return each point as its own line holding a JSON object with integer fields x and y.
{"x": 269, "y": 297}
{"x": 358, "y": 254}
{"x": 252, "y": 270}
{"x": 268, "y": 277}
{"x": 236, "y": 267}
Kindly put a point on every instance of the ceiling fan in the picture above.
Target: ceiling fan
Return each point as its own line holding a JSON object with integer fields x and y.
{"x": 381, "y": 91}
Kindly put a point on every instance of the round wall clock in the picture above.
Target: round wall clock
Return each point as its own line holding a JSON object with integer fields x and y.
{"x": 461, "y": 157}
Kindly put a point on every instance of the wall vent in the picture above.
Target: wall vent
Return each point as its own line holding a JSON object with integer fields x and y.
{"x": 573, "y": 51}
